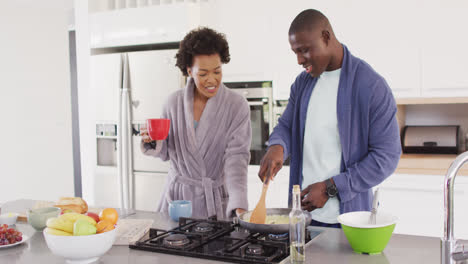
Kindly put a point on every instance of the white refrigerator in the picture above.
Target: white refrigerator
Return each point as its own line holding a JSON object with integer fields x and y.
{"x": 130, "y": 88}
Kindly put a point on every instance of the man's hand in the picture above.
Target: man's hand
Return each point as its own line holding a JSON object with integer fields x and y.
{"x": 272, "y": 162}
{"x": 239, "y": 211}
{"x": 314, "y": 196}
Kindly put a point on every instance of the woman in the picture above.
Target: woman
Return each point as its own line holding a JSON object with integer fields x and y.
{"x": 209, "y": 139}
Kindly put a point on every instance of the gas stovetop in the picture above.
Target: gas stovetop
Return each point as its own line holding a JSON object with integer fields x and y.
{"x": 218, "y": 240}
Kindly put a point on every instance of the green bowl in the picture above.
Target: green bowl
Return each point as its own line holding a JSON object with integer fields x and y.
{"x": 365, "y": 237}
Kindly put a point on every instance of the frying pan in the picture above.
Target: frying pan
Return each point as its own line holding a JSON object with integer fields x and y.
{"x": 269, "y": 228}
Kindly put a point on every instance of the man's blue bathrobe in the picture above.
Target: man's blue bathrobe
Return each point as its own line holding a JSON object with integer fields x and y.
{"x": 367, "y": 125}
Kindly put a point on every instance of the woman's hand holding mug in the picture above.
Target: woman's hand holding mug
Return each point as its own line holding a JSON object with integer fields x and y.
{"x": 144, "y": 134}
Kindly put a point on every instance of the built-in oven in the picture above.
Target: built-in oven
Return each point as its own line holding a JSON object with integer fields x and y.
{"x": 260, "y": 98}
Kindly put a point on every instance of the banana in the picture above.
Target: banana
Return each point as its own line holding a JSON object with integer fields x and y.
{"x": 60, "y": 224}
{"x": 56, "y": 232}
{"x": 72, "y": 217}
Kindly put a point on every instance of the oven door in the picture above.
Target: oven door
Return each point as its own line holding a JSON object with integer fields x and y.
{"x": 260, "y": 121}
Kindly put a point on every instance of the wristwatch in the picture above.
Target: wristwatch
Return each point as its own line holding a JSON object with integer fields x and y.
{"x": 331, "y": 188}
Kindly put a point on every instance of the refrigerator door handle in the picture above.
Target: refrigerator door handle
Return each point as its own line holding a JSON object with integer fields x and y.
{"x": 128, "y": 155}
{"x": 125, "y": 150}
{"x": 119, "y": 139}
{"x": 125, "y": 134}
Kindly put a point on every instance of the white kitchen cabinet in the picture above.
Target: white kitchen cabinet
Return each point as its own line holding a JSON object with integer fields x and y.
{"x": 248, "y": 31}
{"x": 391, "y": 46}
{"x": 418, "y": 202}
{"x": 135, "y": 26}
{"x": 444, "y": 68}
{"x": 420, "y": 54}
{"x": 260, "y": 50}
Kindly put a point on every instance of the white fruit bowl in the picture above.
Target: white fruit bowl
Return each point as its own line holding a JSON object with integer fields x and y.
{"x": 80, "y": 249}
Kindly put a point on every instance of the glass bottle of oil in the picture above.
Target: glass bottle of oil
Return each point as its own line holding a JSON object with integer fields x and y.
{"x": 297, "y": 228}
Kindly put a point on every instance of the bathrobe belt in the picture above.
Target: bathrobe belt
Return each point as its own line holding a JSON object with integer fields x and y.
{"x": 212, "y": 193}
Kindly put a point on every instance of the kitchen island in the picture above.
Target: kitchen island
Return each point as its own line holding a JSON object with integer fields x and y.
{"x": 330, "y": 246}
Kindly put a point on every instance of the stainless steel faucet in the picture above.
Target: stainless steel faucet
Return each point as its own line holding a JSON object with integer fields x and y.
{"x": 448, "y": 243}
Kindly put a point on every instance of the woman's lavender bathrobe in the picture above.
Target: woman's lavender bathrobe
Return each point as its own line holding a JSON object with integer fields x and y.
{"x": 208, "y": 165}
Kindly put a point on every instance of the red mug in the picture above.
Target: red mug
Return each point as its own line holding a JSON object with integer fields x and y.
{"x": 158, "y": 128}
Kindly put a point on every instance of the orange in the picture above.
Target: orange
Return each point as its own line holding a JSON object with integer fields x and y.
{"x": 109, "y": 214}
{"x": 104, "y": 226}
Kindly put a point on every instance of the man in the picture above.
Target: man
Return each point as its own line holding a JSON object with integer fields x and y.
{"x": 339, "y": 127}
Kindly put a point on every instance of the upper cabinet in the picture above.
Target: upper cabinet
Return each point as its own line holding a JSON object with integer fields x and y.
{"x": 260, "y": 50}
{"x": 387, "y": 38}
{"x": 137, "y": 26}
{"x": 248, "y": 31}
{"x": 391, "y": 46}
{"x": 444, "y": 49}
{"x": 418, "y": 46}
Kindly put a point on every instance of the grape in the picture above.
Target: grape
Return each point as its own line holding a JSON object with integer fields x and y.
{"x": 9, "y": 235}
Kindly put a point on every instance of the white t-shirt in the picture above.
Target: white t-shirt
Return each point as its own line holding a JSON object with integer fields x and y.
{"x": 322, "y": 147}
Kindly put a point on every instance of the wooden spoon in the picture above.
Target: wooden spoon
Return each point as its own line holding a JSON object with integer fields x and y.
{"x": 258, "y": 215}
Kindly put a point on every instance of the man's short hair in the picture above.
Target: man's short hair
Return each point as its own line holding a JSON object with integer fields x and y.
{"x": 307, "y": 20}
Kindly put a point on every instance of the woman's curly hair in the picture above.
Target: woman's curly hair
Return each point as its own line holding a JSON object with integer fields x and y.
{"x": 201, "y": 41}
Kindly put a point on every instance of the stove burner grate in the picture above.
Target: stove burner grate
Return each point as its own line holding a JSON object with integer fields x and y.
{"x": 254, "y": 249}
{"x": 203, "y": 227}
{"x": 176, "y": 240}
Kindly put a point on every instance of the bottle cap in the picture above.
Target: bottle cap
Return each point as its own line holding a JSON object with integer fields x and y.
{"x": 296, "y": 188}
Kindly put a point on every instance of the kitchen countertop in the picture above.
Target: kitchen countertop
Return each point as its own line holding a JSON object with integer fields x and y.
{"x": 330, "y": 246}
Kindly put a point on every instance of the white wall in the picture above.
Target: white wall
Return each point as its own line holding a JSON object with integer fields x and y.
{"x": 35, "y": 139}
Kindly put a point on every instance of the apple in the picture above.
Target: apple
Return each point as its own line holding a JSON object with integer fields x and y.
{"x": 93, "y": 215}
{"x": 64, "y": 211}
{"x": 83, "y": 228}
